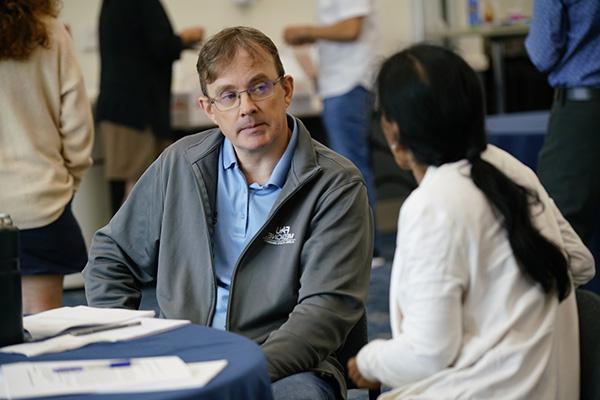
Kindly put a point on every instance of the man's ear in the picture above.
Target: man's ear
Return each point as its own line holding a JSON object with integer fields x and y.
{"x": 206, "y": 106}
{"x": 287, "y": 83}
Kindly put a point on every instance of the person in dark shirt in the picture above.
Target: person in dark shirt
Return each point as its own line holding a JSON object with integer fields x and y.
{"x": 137, "y": 49}
{"x": 564, "y": 42}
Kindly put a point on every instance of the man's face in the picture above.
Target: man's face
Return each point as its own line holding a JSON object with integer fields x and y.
{"x": 255, "y": 127}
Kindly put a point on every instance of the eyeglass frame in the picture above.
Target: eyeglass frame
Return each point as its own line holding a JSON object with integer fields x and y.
{"x": 214, "y": 101}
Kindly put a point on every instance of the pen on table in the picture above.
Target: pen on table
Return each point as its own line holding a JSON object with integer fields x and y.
{"x": 102, "y": 328}
{"x": 74, "y": 368}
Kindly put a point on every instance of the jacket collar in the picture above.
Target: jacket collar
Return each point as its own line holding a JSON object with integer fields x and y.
{"x": 203, "y": 156}
{"x": 304, "y": 162}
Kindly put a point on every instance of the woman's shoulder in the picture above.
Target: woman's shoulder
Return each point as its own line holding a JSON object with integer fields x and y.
{"x": 54, "y": 26}
{"x": 447, "y": 182}
{"x": 449, "y": 193}
{"x": 57, "y": 32}
{"x": 511, "y": 167}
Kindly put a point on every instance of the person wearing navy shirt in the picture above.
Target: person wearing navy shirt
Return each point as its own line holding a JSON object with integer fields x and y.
{"x": 137, "y": 49}
{"x": 564, "y": 43}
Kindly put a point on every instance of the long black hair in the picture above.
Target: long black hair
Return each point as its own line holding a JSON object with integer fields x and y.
{"x": 437, "y": 101}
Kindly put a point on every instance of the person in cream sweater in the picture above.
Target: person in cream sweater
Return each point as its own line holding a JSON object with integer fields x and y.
{"x": 46, "y": 136}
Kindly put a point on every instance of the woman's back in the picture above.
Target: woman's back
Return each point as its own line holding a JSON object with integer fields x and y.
{"x": 470, "y": 317}
{"x": 47, "y": 130}
{"x": 482, "y": 302}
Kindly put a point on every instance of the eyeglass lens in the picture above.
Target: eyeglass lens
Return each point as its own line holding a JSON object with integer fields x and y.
{"x": 231, "y": 99}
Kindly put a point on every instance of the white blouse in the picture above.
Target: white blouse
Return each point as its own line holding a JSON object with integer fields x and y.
{"x": 466, "y": 322}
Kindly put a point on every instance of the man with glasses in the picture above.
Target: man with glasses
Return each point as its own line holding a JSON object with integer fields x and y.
{"x": 251, "y": 227}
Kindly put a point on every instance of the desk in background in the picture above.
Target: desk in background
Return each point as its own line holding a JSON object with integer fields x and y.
{"x": 245, "y": 376}
{"x": 496, "y": 36}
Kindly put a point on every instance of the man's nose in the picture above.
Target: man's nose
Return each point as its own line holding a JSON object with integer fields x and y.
{"x": 247, "y": 105}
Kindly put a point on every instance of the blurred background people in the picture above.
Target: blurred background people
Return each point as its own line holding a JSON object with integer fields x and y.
{"x": 46, "y": 135}
{"x": 347, "y": 40}
{"x": 482, "y": 303}
{"x": 137, "y": 50}
{"x": 564, "y": 42}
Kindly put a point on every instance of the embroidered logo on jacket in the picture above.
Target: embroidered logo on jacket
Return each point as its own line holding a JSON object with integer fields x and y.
{"x": 281, "y": 236}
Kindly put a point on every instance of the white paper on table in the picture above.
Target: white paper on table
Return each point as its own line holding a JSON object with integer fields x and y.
{"x": 3, "y": 388}
{"x": 53, "y": 322}
{"x": 148, "y": 326}
{"x": 202, "y": 373}
{"x": 35, "y": 379}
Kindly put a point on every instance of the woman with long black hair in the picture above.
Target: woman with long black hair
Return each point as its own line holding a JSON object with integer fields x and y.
{"x": 481, "y": 298}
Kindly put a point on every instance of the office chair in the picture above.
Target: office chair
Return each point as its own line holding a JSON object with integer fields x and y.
{"x": 356, "y": 339}
{"x": 588, "y": 305}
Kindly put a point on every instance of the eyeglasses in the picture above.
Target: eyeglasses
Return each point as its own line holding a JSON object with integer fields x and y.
{"x": 231, "y": 99}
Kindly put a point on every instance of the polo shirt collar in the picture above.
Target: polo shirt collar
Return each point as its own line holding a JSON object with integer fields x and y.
{"x": 280, "y": 172}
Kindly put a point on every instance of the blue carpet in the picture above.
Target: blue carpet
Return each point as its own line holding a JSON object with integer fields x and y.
{"x": 377, "y": 303}
{"x": 379, "y": 288}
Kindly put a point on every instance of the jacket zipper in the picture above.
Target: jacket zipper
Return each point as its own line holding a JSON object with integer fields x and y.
{"x": 213, "y": 304}
{"x": 258, "y": 233}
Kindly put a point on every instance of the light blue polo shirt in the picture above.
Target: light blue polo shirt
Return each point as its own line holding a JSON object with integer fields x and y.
{"x": 242, "y": 210}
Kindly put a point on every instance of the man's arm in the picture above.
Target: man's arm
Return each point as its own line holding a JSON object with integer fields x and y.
{"x": 347, "y": 30}
{"x": 334, "y": 281}
{"x": 123, "y": 254}
{"x": 547, "y": 37}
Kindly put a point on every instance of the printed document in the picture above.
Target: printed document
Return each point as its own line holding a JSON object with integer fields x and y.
{"x": 52, "y": 322}
{"x": 136, "y": 375}
{"x": 50, "y": 378}
{"x": 147, "y": 326}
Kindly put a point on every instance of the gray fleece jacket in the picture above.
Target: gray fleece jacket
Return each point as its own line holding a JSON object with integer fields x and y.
{"x": 298, "y": 287}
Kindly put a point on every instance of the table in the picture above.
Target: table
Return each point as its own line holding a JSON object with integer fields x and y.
{"x": 521, "y": 134}
{"x": 245, "y": 376}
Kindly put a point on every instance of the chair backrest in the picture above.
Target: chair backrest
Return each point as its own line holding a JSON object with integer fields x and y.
{"x": 356, "y": 339}
{"x": 588, "y": 305}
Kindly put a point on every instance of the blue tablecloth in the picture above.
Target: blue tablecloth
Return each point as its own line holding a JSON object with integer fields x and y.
{"x": 245, "y": 376}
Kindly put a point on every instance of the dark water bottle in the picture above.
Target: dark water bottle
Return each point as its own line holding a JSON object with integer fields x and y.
{"x": 11, "y": 308}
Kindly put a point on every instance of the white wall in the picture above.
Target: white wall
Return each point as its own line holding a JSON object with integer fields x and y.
{"x": 91, "y": 204}
{"x": 270, "y": 16}
{"x": 399, "y": 20}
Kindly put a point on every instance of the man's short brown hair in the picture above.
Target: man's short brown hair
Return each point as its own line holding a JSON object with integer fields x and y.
{"x": 223, "y": 47}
